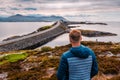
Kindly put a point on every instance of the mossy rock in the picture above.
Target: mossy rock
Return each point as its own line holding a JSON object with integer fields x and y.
{"x": 44, "y": 28}
{"x": 13, "y": 58}
{"x": 46, "y": 49}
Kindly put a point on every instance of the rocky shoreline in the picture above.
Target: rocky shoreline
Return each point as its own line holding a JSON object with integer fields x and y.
{"x": 88, "y": 23}
{"x": 42, "y": 64}
{"x": 93, "y": 33}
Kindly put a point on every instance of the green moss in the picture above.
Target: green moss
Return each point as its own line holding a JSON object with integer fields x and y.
{"x": 46, "y": 48}
{"x": 13, "y": 58}
{"x": 44, "y": 28}
{"x": 3, "y": 62}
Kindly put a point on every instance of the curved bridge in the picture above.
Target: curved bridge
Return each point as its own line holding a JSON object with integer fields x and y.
{"x": 34, "y": 40}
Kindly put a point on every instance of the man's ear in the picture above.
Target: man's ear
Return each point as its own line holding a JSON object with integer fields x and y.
{"x": 81, "y": 38}
{"x": 70, "y": 40}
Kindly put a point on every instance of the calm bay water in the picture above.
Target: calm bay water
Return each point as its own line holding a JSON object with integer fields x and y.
{"x": 8, "y": 29}
{"x": 113, "y": 27}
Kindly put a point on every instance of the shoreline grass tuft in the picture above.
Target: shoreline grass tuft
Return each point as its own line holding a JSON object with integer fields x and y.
{"x": 13, "y": 58}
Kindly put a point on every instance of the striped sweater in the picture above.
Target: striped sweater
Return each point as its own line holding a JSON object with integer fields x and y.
{"x": 78, "y": 63}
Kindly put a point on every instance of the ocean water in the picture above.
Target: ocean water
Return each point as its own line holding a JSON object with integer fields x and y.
{"x": 113, "y": 27}
{"x": 8, "y": 29}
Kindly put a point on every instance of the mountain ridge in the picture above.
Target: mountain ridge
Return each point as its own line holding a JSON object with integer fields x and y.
{"x": 29, "y": 18}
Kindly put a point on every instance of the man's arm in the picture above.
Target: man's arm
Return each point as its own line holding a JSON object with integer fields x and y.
{"x": 94, "y": 69}
{"x": 62, "y": 69}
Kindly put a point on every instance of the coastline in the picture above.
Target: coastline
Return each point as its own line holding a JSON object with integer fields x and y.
{"x": 65, "y": 23}
{"x": 93, "y": 33}
{"x": 34, "y": 40}
{"x": 64, "y": 26}
{"x": 35, "y": 62}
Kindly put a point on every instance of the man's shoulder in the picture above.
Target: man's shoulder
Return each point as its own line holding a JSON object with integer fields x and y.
{"x": 67, "y": 54}
{"x": 87, "y": 48}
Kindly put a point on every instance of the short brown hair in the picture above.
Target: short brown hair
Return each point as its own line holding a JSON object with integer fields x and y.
{"x": 75, "y": 35}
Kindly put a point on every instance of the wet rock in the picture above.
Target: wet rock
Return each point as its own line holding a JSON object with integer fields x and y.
{"x": 46, "y": 53}
{"x": 49, "y": 73}
{"x": 107, "y": 54}
{"x": 100, "y": 77}
{"x": 3, "y": 76}
{"x": 118, "y": 59}
{"x": 101, "y": 55}
{"x": 50, "y": 56}
{"x": 30, "y": 65}
{"x": 118, "y": 55}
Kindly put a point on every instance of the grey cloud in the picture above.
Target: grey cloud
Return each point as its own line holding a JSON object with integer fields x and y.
{"x": 15, "y": 9}
{"x": 95, "y": 3}
{"x": 50, "y": 1}
{"x": 29, "y": 1}
{"x": 108, "y": 3}
{"x": 2, "y": 9}
{"x": 20, "y": 5}
{"x": 61, "y": 0}
{"x": 39, "y": 6}
{"x": 25, "y": 0}
{"x": 30, "y": 9}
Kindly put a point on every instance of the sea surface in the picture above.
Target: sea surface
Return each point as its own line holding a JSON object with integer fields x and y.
{"x": 8, "y": 29}
{"x": 113, "y": 27}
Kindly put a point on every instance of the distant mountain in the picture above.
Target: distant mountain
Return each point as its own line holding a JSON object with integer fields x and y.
{"x": 31, "y": 18}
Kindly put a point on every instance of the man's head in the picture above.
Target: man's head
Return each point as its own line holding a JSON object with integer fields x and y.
{"x": 75, "y": 36}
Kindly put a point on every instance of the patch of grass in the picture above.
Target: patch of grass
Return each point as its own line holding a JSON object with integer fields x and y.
{"x": 29, "y": 75}
{"x": 108, "y": 65}
{"x": 3, "y": 62}
{"x": 11, "y": 68}
{"x": 13, "y": 58}
{"x": 46, "y": 48}
{"x": 44, "y": 28}
{"x": 38, "y": 72}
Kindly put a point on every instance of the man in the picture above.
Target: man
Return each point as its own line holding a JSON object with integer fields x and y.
{"x": 79, "y": 62}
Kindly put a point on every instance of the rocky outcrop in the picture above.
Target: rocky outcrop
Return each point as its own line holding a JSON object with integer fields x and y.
{"x": 89, "y": 23}
{"x": 93, "y": 33}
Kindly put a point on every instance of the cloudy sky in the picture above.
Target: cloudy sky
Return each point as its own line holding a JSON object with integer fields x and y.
{"x": 57, "y": 7}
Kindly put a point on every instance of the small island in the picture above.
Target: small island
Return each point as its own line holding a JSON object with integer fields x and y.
{"x": 93, "y": 33}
